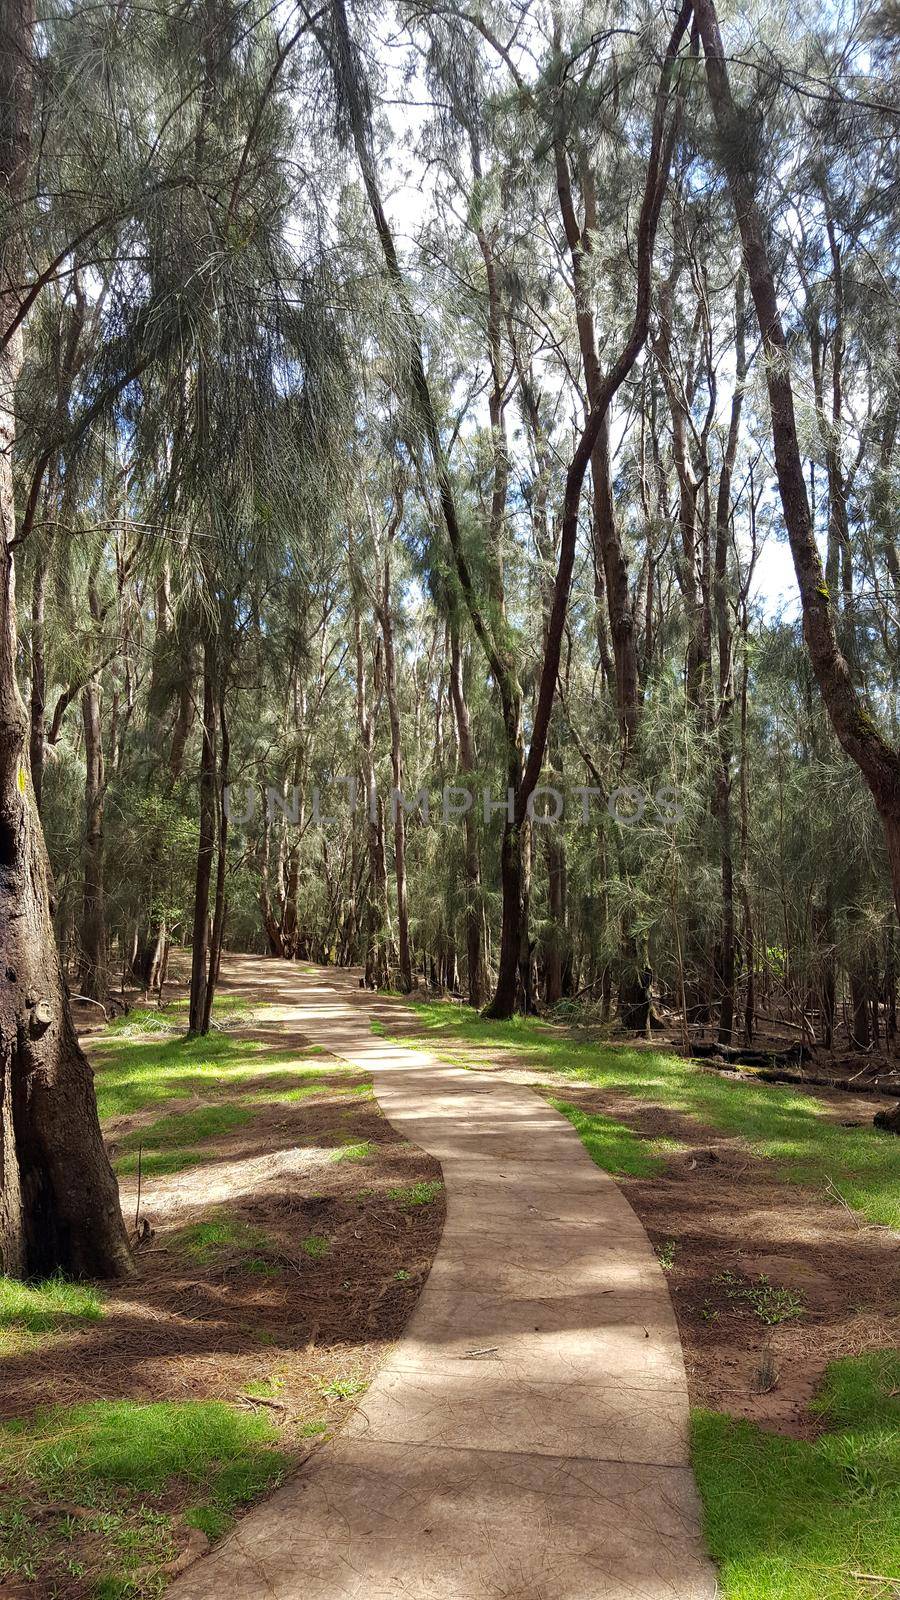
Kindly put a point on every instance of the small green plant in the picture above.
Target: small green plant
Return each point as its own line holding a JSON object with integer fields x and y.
{"x": 666, "y": 1255}
{"x": 343, "y": 1388}
{"x": 422, "y": 1193}
{"x": 315, "y": 1245}
{"x": 770, "y": 1303}
{"x": 402, "y": 1276}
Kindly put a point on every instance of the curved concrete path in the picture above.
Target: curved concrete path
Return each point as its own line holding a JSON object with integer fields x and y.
{"x": 527, "y": 1438}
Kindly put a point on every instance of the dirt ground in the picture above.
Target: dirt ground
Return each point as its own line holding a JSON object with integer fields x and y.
{"x": 290, "y": 1317}
{"x": 312, "y": 1330}
{"x": 717, "y": 1212}
{"x": 728, "y": 1214}
{"x": 187, "y": 1329}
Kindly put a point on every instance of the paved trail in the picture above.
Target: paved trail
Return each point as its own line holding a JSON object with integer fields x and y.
{"x": 527, "y": 1438}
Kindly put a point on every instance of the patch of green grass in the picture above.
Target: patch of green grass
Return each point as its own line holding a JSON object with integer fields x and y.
{"x": 790, "y": 1128}
{"x": 612, "y": 1145}
{"x": 310, "y": 1430}
{"x": 784, "y": 1517}
{"x": 315, "y": 1245}
{"x": 353, "y": 1151}
{"x": 158, "y": 1163}
{"x": 133, "y": 1073}
{"x": 47, "y": 1306}
{"x": 208, "y": 1241}
{"x": 769, "y": 1302}
{"x": 378, "y": 1027}
{"x": 665, "y": 1254}
{"x": 109, "y": 1457}
{"x": 166, "y": 1143}
{"x": 417, "y": 1194}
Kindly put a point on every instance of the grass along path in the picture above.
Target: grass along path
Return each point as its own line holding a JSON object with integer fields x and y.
{"x": 814, "y": 1517}
{"x": 291, "y": 1231}
{"x": 795, "y": 1130}
{"x": 788, "y": 1519}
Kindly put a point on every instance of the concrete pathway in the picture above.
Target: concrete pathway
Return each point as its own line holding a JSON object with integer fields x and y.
{"x": 527, "y": 1438}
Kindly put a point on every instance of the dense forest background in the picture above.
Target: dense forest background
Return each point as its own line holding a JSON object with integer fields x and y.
{"x": 320, "y": 315}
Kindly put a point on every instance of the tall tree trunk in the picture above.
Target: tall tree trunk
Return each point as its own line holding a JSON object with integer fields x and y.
{"x": 390, "y": 684}
{"x": 376, "y": 930}
{"x": 467, "y": 760}
{"x": 59, "y": 1202}
{"x": 38, "y": 732}
{"x": 878, "y": 761}
{"x": 725, "y": 710}
{"x": 94, "y": 975}
{"x": 218, "y": 924}
{"x": 205, "y": 849}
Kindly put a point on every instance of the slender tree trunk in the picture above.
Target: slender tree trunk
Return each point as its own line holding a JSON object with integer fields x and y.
{"x": 94, "y": 976}
{"x": 390, "y": 684}
{"x": 856, "y": 730}
{"x": 264, "y": 857}
{"x": 747, "y": 928}
{"x": 59, "y": 1203}
{"x": 205, "y": 849}
{"x": 467, "y": 760}
{"x": 725, "y": 711}
{"x": 376, "y": 932}
{"x": 218, "y": 924}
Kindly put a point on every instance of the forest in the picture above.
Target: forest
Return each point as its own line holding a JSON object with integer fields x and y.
{"x": 449, "y": 484}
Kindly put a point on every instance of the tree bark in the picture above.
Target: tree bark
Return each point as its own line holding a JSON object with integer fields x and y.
{"x": 38, "y": 732}
{"x": 94, "y": 975}
{"x": 376, "y": 929}
{"x": 59, "y": 1203}
{"x": 390, "y": 684}
{"x": 219, "y": 905}
{"x": 725, "y": 710}
{"x": 467, "y": 761}
{"x": 205, "y": 849}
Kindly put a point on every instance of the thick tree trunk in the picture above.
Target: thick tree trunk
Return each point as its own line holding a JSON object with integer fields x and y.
{"x": 503, "y": 1003}
{"x": 860, "y": 1019}
{"x": 59, "y": 1203}
{"x": 38, "y": 732}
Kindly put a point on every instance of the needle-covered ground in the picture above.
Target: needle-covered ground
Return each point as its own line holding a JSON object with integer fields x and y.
{"x": 285, "y": 1231}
